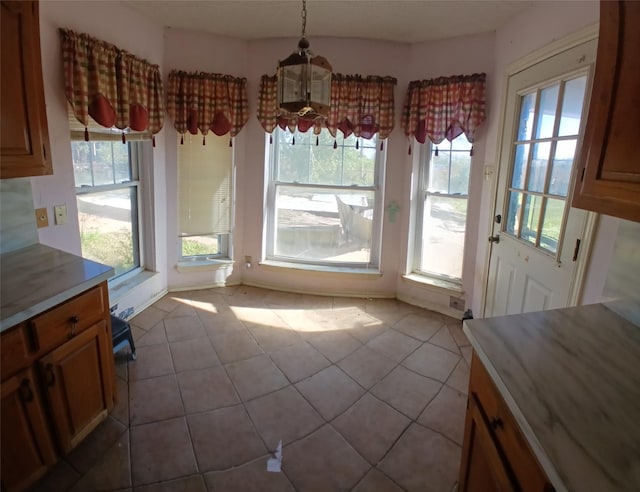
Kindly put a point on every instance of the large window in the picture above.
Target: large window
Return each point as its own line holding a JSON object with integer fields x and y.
{"x": 107, "y": 192}
{"x": 205, "y": 182}
{"x": 324, "y": 199}
{"x": 442, "y": 209}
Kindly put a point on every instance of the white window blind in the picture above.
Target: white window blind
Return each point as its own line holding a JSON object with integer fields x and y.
{"x": 204, "y": 185}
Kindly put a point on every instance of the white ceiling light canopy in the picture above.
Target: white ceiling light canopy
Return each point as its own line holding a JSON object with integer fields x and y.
{"x": 304, "y": 80}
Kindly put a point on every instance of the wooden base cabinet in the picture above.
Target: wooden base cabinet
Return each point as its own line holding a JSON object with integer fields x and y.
{"x": 58, "y": 381}
{"x": 74, "y": 375}
{"x": 27, "y": 448}
{"x": 495, "y": 454}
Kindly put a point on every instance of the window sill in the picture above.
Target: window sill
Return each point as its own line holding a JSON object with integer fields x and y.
{"x": 204, "y": 264}
{"x": 119, "y": 289}
{"x": 359, "y": 272}
{"x": 435, "y": 284}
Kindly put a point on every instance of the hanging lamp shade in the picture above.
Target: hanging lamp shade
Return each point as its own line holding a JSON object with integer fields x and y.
{"x": 304, "y": 80}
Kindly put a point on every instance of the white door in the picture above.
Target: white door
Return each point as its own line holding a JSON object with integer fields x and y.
{"x": 534, "y": 242}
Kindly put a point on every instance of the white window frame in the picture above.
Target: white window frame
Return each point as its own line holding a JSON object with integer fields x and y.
{"x": 424, "y": 167}
{"x": 271, "y": 192}
{"x": 225, "y": 241}
{"x": 136, "y": 160}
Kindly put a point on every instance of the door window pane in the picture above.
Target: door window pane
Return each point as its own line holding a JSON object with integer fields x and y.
{"x": 531, "y": 217}
{"x": 513, "y": 213}
{"x": 538, "y": 169}
{"x": 443, "y": 229}
{"x": 520, "y": 165}
{"x": 547, "y": 111}
{"x": 561, "y": 168}
{"x": 527, "y": 113}
{"x": 552, "y": 225}
{"x": 572, "y": 103}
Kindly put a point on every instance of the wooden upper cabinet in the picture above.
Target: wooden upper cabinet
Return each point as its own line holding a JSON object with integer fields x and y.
{"x": 24, "y": 137}
{"x": 608, "y": 178}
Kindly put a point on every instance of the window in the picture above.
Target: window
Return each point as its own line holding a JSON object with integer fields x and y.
{"x": 324, "y": 199}
{"x": 545, "y": 146}
{"x": 205, "y": 181}
{"x": 107, "y": 192}
{"x": 442, "y": 209}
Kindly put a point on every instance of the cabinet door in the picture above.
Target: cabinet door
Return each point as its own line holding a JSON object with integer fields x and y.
{"x": 78, "y": 382}
{"x": 27, "y": 450}
{"x": 482, "y": 468}
{"x": 608, "y": 179}
{"x": 23, "y": 128}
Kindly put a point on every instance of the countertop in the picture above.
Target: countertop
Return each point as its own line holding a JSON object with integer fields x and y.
{"x": 571, "y": 378}
{"x": 38, "y": 277}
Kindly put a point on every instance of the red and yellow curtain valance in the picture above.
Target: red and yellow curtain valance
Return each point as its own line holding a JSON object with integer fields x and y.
{"x": 110, "y": 85}
{"x": 444, "y": 107}
{"x": 204, "y": 101}
{"x": 360, "y": 105}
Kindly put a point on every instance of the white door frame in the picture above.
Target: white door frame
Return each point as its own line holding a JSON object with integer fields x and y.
{"x": 572, "y": 40}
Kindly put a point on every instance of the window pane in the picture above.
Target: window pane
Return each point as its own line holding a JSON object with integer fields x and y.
{"x": 547, "y": 111}
{"x": 527, "y": 112}
{"x": 519, "y": 166}
{"x": 552, "y": 224}
{"x": 201, "y": 245}
{"x": 293, "y": 160}
{"x": 562, "y": 164}
{"x": 205, "y": 175}
{"x": 461, "y": 143}
{"x": 572, "y": 106}
{"x": 101, "y": 163}
{"x": 531, "y": 217}
{"x": 460, "y": 169}
{"x": 513, "y": 213}
{"x": 439, "y": 172}
{"x": 108, "y": 228}
{"x": 538, "y": 169}
{"x": 443, "y": 230}
{"x": 326, "y": 225}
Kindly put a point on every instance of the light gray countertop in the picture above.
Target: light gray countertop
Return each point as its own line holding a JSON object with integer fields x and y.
{"x": 571, "y": 378}
{"x": 38, "y": 277}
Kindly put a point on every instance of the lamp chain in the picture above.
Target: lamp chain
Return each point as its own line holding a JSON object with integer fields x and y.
{"x": 304, "y": 17}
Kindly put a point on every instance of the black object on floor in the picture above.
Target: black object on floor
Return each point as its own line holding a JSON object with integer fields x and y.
{"x": 121, "y": 335}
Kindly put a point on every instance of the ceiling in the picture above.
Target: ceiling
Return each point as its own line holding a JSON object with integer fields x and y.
{"x": 406, "y": 21}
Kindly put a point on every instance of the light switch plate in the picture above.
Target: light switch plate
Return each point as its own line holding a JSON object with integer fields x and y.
{"x": 42, "y": 218}
{"x": 60, "y": 212}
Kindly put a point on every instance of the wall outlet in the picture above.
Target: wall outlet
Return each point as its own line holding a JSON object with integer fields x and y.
{"x": 42, "y": 218}
{"x": 456, "y": 303}
{"x": 248, "y": 261}
{"x": 60, "y": 212}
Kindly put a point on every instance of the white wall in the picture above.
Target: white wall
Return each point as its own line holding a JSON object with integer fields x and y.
{"x": 536, "y": 27}
{"x": 117, "y": 23}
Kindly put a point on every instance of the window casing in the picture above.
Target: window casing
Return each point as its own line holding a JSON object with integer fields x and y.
{"x": 205, "y": 185}
{"x": 441, "y": 212}
{"x": 108, "y": 193}
{"x": 324, "y": 199}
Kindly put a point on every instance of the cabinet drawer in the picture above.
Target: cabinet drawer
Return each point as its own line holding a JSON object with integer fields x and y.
{"x": 14, "y": 351}
{"x": 67, "y": 320}
{"x": 506, "y": 431}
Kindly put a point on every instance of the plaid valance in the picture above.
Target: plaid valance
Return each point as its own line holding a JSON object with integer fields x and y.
{"x": 363, "y": 106}
{"x": 110, "y": 85}
{"x": 444, "y": 107}
{"x": 205, "y": 101}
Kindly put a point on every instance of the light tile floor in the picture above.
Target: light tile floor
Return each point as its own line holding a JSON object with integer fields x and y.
{"x": 366, "y": 395}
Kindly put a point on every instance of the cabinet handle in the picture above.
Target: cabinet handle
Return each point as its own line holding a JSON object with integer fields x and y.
{"x": 496, "y": 423}
{"x": 74, "y": 320}
{"x": 49, "y": 375}
{"x": 26, "y": 393}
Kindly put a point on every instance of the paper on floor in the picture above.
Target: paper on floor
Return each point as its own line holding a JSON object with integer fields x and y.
{"x": 275, "y": 464}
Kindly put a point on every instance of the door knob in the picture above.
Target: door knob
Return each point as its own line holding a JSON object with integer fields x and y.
{"x": 494, "y": 239}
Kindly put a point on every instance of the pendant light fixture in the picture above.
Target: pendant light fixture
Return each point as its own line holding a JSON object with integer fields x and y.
{"x": 304, "y": 80}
